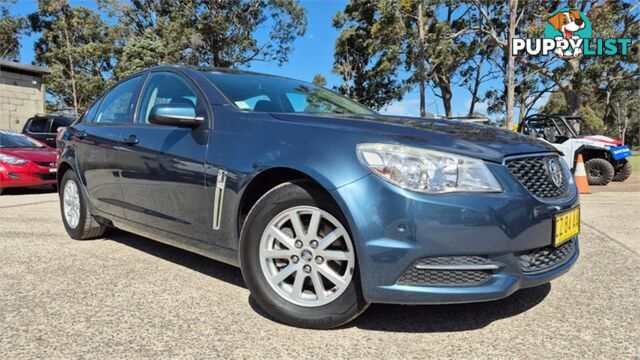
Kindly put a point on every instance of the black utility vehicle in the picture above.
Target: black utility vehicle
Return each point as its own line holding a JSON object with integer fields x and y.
{"x": 44, "y": 127}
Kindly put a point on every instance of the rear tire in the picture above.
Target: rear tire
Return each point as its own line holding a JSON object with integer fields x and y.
{"x": 623, "y": 172}
{"x": 316, "y": 302}
{"x": 78, "y": 222}
{"x": 599, "y": 171}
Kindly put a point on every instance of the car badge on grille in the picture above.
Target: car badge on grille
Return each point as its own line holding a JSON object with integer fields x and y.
{"x": 555, "y": 172}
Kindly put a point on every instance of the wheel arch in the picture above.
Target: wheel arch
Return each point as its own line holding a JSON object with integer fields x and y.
{"x": 268, "y": 179}
{"x": 590, "y": 152}
{"x": 62, "y": 169}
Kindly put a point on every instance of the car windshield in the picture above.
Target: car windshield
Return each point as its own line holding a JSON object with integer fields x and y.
{"x": 15, "y": 140}
{"x": 580, "y": 127}
{"x": 548, "y": 128}
{"x": 265, "y": 93}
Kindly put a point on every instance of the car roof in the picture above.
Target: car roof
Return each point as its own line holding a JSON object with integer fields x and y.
{"x": 52, "y": 116}
{"x": 232, "y": 71}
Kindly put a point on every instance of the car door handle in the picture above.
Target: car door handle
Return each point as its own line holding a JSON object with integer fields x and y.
{"x": 130, "y": 140}
{"x": 80, "y": 134}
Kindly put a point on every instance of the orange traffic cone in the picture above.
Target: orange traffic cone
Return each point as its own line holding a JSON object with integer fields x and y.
{"x": 580, "y": 175}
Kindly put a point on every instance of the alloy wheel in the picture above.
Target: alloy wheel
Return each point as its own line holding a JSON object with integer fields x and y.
{"x": 71, "y": 204}
{"x": 307, "y": 256}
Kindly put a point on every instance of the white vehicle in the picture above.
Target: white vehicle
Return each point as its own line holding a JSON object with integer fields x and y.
{"x": 604, "y": 157}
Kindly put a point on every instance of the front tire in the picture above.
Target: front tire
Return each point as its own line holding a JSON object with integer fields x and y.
{"x": 623, "y": 172}
{"x": 298, "y": 260}
{"x": 78, "y": 222}
{"x": 599, "y": 171}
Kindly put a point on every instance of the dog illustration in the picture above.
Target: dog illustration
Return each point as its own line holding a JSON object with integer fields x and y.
{"x": 567, "y": 23}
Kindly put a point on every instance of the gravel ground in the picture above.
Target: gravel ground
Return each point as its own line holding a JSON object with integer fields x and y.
{"x": 128, "y": 296}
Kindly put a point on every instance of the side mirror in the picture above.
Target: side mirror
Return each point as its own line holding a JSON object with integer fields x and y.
{"x": 175, "y": 115}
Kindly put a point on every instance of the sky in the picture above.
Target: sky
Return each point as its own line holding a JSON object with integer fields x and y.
{"x": 312, "y": 54}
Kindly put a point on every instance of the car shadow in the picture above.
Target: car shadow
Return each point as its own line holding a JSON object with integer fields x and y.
{"x": 378, "y": 317}
{"x": 193, "y": 261}
{"x": 449, "y": 318}
{"x": 46, "y": 189}
{"x": 440, "y": 318}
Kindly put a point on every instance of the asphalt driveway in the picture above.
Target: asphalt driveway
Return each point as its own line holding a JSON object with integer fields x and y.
{"x": 127, "y": 296}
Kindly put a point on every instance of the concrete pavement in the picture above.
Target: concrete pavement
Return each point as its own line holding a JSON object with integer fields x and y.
{"x": 127, "y": 296}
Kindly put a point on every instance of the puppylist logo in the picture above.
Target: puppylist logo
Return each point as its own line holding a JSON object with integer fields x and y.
{"x": 567, "y": 33}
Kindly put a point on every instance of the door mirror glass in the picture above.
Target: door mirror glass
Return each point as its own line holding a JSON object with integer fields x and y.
{"x": 178, "y": 114}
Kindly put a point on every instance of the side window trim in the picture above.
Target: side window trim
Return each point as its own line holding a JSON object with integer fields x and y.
{"x": 27, "y": 125}
{"x": 49, "y": 125}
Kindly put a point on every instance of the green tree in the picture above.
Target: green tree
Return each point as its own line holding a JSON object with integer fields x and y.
{"x": 205, "y": 32}
{"x": 604, "y": 90}
{"x": 426, "y": 40}
{"x": 366, "y": 55}
{"x": 319, "y": 80}
{"x": 436, "y": 45}
{"x": 500, "y": 21}
{"x": 77, "y": 47}
{"x": 610, "y": 19}
{"x": 11, "y": 28}
{"x": 228, "y": 31}
{"x": 152, "y": 32}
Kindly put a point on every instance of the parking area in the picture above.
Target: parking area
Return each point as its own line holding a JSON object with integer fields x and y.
{"x": 124, "y": 295}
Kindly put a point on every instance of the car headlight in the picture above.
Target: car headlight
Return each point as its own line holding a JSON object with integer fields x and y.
{"x": 427, "y": 171}
{"x": 12, "y": 160}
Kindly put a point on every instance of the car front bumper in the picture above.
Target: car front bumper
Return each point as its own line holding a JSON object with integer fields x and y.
{"x": 26, "y": 175}
{"x": 396, "y": 229}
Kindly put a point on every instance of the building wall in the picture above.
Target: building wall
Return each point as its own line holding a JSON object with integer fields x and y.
{"x": 21, "y": 97}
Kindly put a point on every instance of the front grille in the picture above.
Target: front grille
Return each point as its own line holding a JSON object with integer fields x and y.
{"x": 546, "y": 258}
{"x": 415, "y": 276}
{"x": 533, "y": 174}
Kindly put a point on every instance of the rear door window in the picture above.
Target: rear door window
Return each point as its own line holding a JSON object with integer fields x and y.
{"x": 57, "y": 123}
{"x": 38, "y": 126}
{"x": 90, "y": 114}
{"x": 119, "y": 104}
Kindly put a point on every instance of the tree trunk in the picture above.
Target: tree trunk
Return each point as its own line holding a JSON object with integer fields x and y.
{"x": 421, "y": 68}
{"x": 447, "y": 95}
{"x": 476, "y": 88}
{"x": 72, "y": 70}
{"x": 623, "y": 120}
{"x": 74, "y": 91}
{"x": 510, "y": 100}
{"x": 571, "y": 94}
{"x": 523, "y": 110}
{"x": 572, "y": 97}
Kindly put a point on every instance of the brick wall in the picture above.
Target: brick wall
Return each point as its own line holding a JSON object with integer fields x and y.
{"x": 21, "y": 97}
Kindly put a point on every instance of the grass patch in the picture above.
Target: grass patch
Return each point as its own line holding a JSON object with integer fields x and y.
{"x": 635, "y": 162}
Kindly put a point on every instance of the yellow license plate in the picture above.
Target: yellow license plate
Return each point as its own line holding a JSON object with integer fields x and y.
{"x": 567, "y": 226}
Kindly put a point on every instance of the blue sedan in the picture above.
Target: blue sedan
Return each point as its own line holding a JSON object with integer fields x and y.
{"x": 325, "y": 205}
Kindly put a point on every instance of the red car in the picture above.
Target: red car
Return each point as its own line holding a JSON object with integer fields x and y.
{"x": 25, "y": 161}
